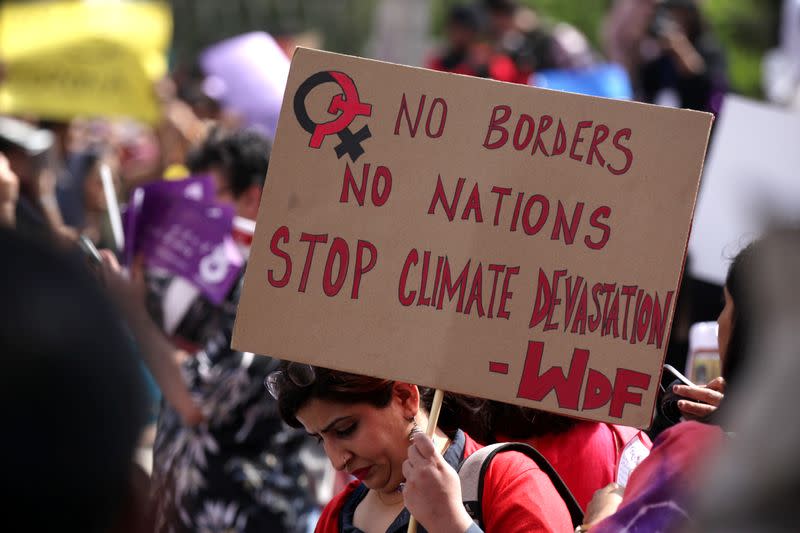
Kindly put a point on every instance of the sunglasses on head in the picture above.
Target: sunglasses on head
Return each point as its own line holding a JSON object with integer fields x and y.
{"x": 300, "y": 374}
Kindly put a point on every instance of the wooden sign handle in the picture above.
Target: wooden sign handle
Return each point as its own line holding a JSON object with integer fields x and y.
{"x": 433, "y": 419}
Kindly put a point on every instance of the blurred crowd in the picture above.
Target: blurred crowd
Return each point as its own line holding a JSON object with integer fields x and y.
{"x": 666, "y": 48}
{"x": 113, "y": 353}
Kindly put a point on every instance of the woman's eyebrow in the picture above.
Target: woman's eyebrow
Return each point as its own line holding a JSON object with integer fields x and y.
{"x": 336, "y": 421}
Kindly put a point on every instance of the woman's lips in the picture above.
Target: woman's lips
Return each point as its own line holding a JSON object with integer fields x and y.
{"x": 361, "y": 473}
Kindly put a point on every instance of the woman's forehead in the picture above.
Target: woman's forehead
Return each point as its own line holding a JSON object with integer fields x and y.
{"x": 318, "y": 414}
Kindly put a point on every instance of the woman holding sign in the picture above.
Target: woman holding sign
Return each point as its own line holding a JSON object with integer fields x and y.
{"x": 369, "y": 428}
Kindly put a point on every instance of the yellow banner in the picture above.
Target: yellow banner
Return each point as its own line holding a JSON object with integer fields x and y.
{"x": 67, "y": 59}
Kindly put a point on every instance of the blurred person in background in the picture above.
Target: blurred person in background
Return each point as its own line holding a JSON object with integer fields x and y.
{"x": 238, "y": 162}
{"x": 234, "y": 466}
{"x": 669, "y": 51}
{"x": 70, "y": 162}
{"x": 683, "y": 64}
{"x": 625, "y": 28}
{"x": 71, "y": 397}
{"x": 522, "y": 35}
{"x": 59, "y": 168}
{"x": 96, "y": 223}
{"x": 466, "y": 52}
{"x": 660, "y": 491}
{"x": 762, "y": 497}
{"x": 138, "y": 152}
{"x": 180, "y": 129}
{"x": 569, "y": 48}
{"x": 81, "y": 149}
{"x": 9, "y": 193}
{"x": 202, "y": 93}
{"x": 585, "y": 454}
{"x": 27, "y": 150}
{"x": 672, "y": 59}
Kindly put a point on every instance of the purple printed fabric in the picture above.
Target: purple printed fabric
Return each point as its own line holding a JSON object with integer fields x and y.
{"x": 177, "y": 227}
{"x": 199, "y": 188}
{"x": 661, "y": 489}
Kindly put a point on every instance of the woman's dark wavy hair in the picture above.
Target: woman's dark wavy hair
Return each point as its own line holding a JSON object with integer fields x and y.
{"x": 333, "y": 386}
{"x": 737, "y": 282}
{"x": 483, "y": 420}
{"x": 742, "y": 285}
{"x": 346, "y": 388}
{"x": 486, "y": 421}
{"x": 242, "y": 155}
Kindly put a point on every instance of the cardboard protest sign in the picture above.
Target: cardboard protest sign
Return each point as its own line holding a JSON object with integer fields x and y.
{"x": 484, "y": 238}
{"x": 67, "y": 59}
{"x": 750, "y": 179}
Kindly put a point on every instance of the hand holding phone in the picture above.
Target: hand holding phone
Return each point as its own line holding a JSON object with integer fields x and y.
{"x": 672, "y": 370}
{"x": 687, "y": 400}
{"x": 700, "y": 401}
{"x": 90, "y": 250}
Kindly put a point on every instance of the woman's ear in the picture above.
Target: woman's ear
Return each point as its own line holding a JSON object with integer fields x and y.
{"x": 249, "y": 201}
{"x": 407, "y": 397}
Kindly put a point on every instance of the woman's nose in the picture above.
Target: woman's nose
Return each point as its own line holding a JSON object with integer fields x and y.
{"x": 339, "y": 457}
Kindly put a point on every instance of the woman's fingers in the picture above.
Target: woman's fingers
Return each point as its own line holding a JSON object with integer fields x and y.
{"x": 408, "y": 469}
{"x": 700, "y": 401}
{"x": 603, "y": 504}
{"x": 423, "y": 444}
{"x": 694, "y": 409}
{"x": 415, "y": 457}
{"x": 110, "y": 271}
{"x": 432, "y": 491}
{"x": 699, "y": 394}
{"x": 717, "y": 384}
{"x": 109, "y": 260}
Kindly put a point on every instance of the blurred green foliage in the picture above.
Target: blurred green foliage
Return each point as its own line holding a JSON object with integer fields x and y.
{"x": 745, "y": 28}
{"x": 343, "y": 24}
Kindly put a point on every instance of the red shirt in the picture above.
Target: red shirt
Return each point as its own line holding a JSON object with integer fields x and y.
{"x": 500, "y": 67}
{"x": 517, "y": 498}
{"x": 587, "y": 455}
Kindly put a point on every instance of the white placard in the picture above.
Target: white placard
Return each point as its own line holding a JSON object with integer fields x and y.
{"x": 751, "y": 173}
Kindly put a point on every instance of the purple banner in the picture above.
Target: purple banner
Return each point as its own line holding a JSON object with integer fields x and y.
{"x": 175, "y": 226}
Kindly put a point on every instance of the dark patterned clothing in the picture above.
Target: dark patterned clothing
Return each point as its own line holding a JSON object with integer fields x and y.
{"x": 241, "y": 470}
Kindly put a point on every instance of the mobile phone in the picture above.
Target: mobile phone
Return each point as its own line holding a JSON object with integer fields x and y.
{"x": 87, "y": 247}
{"x": 671, "y": 369}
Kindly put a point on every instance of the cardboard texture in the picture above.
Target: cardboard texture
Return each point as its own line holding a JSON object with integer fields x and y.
{"x": 371, "y": 300}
